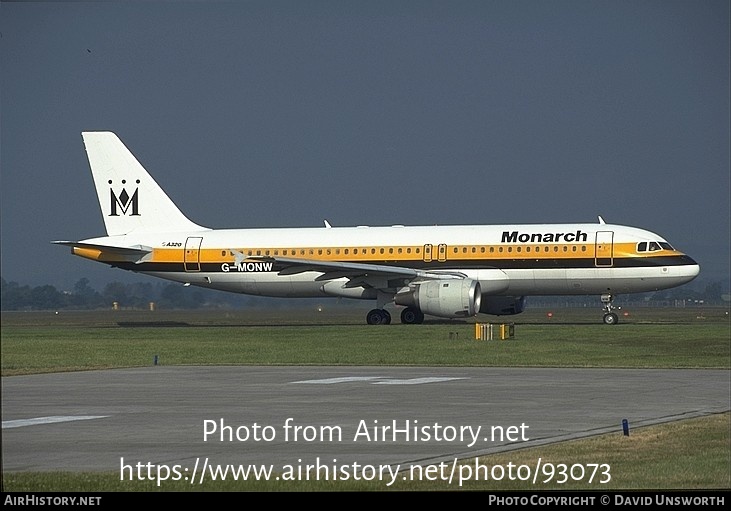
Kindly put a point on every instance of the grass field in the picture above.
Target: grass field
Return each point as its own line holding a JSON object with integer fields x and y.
{"x": 73, "y": 341}
{"x": 646, "y": 338}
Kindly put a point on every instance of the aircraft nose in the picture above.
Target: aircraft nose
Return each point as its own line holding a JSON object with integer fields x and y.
{"x": 690, "y": 268}
{"x": 696, "y": 269}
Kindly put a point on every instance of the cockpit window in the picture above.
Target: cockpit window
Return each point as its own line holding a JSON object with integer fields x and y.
{"x": 653, "y": 246}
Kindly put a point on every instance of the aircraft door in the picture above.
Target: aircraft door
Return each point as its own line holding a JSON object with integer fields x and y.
{"x": 192, "y": 254}
{"x": 604, "y": 249}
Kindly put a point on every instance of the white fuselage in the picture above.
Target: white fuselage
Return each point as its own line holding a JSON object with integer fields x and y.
{"x": 556, "y": 259}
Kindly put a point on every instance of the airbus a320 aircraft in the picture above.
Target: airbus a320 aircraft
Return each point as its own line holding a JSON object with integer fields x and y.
{"x": 443, "y": 271}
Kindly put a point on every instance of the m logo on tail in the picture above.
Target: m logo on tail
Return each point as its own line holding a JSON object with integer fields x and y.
{"x": 124, "y": 201}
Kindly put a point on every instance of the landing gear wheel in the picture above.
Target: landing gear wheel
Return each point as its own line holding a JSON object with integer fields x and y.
{"x": 412, "y": 316}
{"x": 378, "y": 317}
{"x": 611, "y": 319}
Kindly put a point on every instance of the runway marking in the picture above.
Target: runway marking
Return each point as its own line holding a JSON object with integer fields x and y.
{"x": 416, "y": 381}
{"x": 381, "y": 380}
{"x": 49, "y": 420}
{"x": 344, "y": 379}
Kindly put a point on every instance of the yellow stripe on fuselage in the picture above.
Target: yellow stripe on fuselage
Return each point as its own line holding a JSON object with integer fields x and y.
{"x": 407, "y": 253}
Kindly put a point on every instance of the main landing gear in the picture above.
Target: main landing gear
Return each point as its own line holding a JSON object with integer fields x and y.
{"x": 409, "y": 316}
{"x": 610, "y": 318}
{"x": 412, "y": 316}
{"x": 378, "y": 317}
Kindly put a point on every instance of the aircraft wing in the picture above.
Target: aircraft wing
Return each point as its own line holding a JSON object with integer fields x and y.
{"x": 369, "y": 275}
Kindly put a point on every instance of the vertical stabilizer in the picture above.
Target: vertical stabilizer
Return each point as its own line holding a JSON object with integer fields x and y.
{"x": 129, "y": 198}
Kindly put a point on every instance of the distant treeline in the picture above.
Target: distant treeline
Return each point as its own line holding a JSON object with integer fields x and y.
{"x": 166, "y": 295}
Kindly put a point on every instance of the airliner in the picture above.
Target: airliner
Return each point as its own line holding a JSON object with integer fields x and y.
{"x": 450, "y": 271}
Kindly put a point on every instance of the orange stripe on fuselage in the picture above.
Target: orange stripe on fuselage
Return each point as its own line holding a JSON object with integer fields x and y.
{"x": 401, "y": 253}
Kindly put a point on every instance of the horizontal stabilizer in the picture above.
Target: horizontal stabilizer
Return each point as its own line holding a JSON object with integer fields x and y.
{"x": 136, "y": 254}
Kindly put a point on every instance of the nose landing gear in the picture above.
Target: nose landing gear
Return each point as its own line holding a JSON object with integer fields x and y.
{"x": 610, "y": 318}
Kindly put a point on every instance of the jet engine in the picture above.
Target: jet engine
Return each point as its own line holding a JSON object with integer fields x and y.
{"x": 446, "y": 298}
{"x": 502, "y": 305}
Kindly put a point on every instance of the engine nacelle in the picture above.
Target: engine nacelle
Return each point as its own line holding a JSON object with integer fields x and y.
{"x": 502, "y": 305}
{"x": 447, "y": 298}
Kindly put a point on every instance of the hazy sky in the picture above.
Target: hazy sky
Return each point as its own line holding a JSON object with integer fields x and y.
{"x": 284, "y": 113}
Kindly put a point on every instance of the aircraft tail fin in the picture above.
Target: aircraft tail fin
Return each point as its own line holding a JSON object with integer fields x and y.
{"x": 129, "y": 197}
